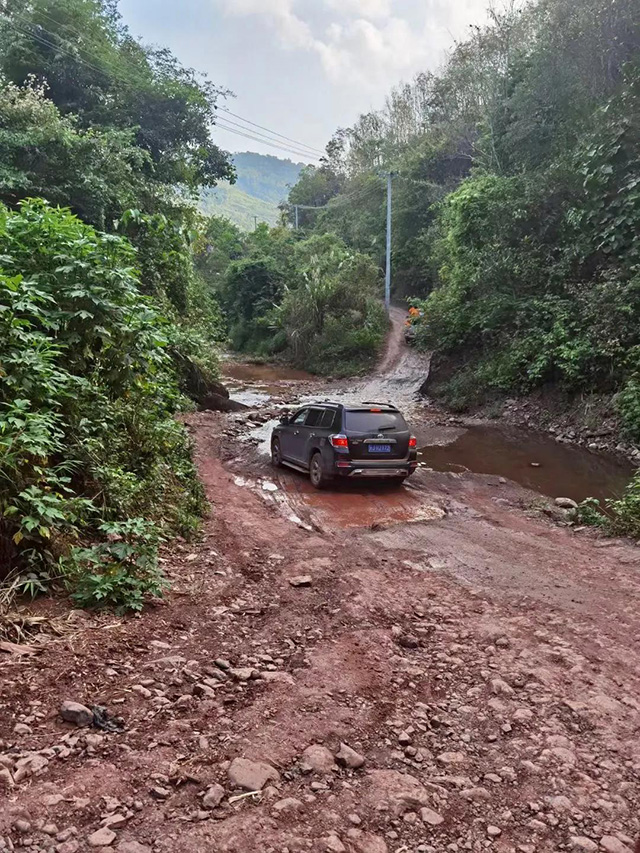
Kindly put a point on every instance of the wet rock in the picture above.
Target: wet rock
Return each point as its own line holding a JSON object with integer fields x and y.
{"x": 566, "y": 503}
{"x": 580, "y": 842}
{"x": 317, "y": 759}
{"x": 430, "y": 817}
{"x": 613, "y": 845}
{"x": 301, "y": 580}
{"x": 101, "y": 837}
{"x": 349, "y": 757}
{"x": 74, "y": 712}
{"x": 251, "y": 775}
{"x": 213, "y": 797}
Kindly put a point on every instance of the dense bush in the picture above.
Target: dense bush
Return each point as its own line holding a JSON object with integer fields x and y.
{"x": 88, "y": 393}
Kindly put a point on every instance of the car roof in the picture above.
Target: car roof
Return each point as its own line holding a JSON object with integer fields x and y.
{"x": 359, "y": 407}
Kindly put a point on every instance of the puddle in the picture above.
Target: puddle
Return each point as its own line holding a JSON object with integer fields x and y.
{"x": 558, "y": 470}
{"x": 256, "y": 372}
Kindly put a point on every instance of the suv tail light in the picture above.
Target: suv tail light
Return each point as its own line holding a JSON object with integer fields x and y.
{"x": 413, "y": 441}
{"x": 339, "y": 441}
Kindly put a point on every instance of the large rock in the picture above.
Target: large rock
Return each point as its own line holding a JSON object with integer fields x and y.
{"x": 101, "y": 837}
{"x": 317, "y": 759}
{"x": 251, "y": 775}
{"x": 218, "y": 403}
{"x": 349, "y": 757}
{"x": 74, "y": 712}
{"x": 390, "y": 790}
{"x": 613, "y": 845}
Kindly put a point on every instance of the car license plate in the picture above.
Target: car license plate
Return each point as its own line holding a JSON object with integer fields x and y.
{"x": 379, "y": 448}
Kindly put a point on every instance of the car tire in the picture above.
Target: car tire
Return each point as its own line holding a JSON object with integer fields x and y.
{"x": 276, "y": 453}
{"x": 317, "y": 476}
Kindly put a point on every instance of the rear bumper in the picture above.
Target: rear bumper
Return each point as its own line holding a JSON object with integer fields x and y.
{"x": 379, "y": 469}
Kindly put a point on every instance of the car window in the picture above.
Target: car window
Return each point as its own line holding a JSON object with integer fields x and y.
{"x": 329, "y": 419}
{"x": 299, "y": 417}
{"x": 315, "y": 417}
{"x": 367, "y": 421}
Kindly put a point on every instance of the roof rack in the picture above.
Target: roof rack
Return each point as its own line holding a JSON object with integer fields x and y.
{"x": 326, "y": 403}
{"x": 376, "y": 403}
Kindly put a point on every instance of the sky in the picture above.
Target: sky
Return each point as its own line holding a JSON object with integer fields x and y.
{"x": 303, "y": 68}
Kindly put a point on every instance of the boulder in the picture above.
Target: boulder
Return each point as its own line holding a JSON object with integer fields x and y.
{"x": 74, "y": 712}
{"x": 251, "y": 775}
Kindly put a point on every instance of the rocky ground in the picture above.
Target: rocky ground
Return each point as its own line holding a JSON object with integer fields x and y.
{"x": 364, "y": 671}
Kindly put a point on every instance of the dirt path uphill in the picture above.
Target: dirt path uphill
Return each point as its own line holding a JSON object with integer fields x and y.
{"x": 354, "y": 672}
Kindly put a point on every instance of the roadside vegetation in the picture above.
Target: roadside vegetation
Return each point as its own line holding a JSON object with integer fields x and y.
{"x": 106, "y": 326}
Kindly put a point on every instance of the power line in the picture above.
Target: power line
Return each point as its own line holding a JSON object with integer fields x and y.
{"x": 129, "y": 82}
{"x": 264, "y": 136}
{"x": 273, "y": 132}
{"x": 262, "y": 141}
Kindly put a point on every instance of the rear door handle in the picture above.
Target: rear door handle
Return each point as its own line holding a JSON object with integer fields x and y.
{"x": 296, "y": 432}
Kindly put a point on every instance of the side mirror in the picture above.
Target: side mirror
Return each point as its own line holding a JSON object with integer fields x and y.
{"x": 284, "y": 420}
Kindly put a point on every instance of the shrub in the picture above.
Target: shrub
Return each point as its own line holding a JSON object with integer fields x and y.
{"x": 88, "y": 392}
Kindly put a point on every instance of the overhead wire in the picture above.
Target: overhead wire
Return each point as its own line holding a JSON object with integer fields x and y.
{"x": 272, "y": 132}
{"x": 298, "y": 149}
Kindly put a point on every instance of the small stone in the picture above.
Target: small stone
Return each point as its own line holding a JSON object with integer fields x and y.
{"x": 349, "y": 757}
{"x": 452, "y": 758}
{"x": 523, "y": 715}
{"x": 22, "y": 729}
{"x": 301, "y": 580}
{"x": 159, "y": 793}
{"x": 332, "y": 844}
{"x": 141, "y": 690}
{"x": 213, "y": 797}
{"x": 579, "y": 842}
{"x": 6, "y": 779}
{"x": 289, "y": 804}
{"x": 22, "y": 826}
{"x": 431, "y": 817}
{"x": 70, "y": 846}
{"x": 494, "y": 831}
{"x": 251, "y": 775}
{"x": 404, "y": 738}
{"x": 132, "y": 847}
{"x": 500, "y": 687}
{"x": 101, "y": 837}
{"x": 560, "y": 804}
{"x": 74, "y": 712}
{"x": 476, "y": 795}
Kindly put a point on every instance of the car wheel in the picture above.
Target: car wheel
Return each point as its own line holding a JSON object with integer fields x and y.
{"x": 316, "y": 474}
{"x": 276, "y": 454}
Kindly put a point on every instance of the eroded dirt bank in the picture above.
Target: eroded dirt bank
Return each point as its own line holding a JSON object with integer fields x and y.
{"x": 445, "y": 672}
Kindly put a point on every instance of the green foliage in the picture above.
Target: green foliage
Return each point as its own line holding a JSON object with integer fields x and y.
{"x": 617, "y": 517}
{"x": 121, "y": 572}
{"x": 87, "y": 391}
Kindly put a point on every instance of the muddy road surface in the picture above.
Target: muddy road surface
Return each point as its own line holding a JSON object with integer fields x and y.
{"x": 367, "y": 670}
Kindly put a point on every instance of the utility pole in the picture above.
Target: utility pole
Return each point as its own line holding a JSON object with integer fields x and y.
{"x": 296, "y": 209}
{"x": 387, "y": 279}
{"x": 255, "y": 223}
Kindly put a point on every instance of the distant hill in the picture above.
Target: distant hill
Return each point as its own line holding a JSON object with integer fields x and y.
{"x": 263, "y": 182}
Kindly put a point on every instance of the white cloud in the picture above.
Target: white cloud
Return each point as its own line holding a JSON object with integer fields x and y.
{"x": 366, "y": 42}
{"x": 371, "y": 9}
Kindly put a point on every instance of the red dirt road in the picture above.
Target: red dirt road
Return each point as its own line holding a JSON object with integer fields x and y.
{"x": 483, "y": 662}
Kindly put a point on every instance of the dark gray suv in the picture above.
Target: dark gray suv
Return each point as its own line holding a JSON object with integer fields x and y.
{"x": 330, "y": 440}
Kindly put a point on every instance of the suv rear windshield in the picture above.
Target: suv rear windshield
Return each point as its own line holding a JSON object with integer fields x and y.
{"x": 368, "y": 421}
